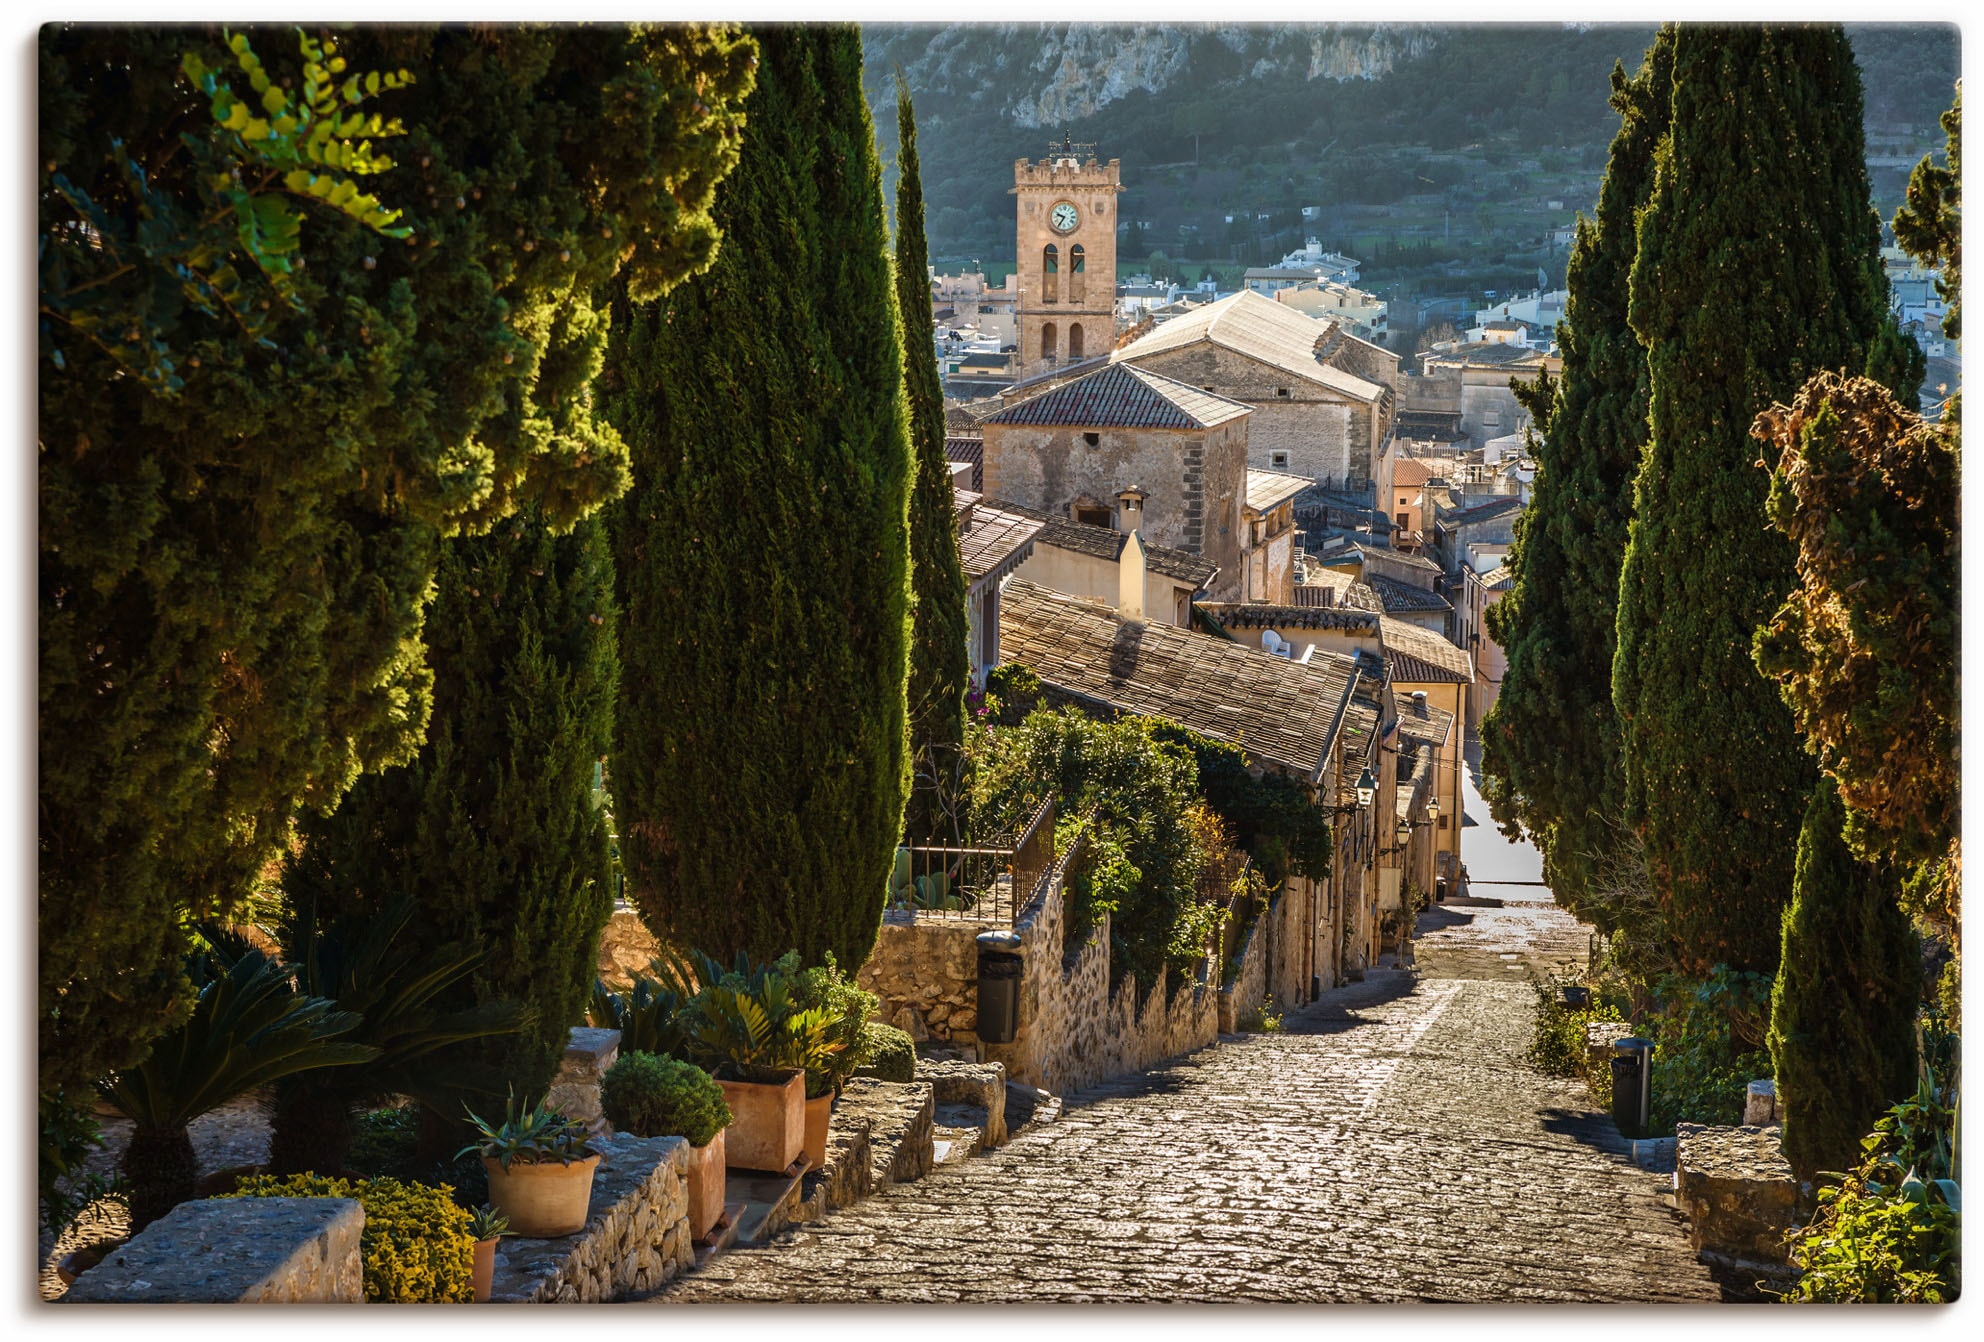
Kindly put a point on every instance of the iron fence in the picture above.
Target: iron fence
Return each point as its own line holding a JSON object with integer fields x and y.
{"x": 988, "y": 885}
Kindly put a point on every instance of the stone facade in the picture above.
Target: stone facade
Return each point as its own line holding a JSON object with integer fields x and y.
{"x": 1068, "y": 300}
{"x": 1310, "y": 431}
{"x": 224, "y": 1251}
{"x": 635, "y": 1239}
{"x": 1194, "y": 481}
{"x": 900, "y": 1126}
{"x": 575, "y": 1089}
{"x": 1738, "y": 1193}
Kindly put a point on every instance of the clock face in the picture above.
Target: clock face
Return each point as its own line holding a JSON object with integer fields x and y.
{"x": 1064, "y": 218}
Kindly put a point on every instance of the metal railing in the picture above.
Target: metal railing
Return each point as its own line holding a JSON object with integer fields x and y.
{"x": 990, "y": 884}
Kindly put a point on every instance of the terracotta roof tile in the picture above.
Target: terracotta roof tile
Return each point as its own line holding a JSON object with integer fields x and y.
{"x": 994, "y": 542}
{"x": 1118, "y": 396}
{"x": 1399, "y": 597}
{"x": 1420, "y": 656}
{"x": 1284, "y": 713}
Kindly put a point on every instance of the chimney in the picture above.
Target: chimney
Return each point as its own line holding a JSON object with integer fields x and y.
{"x": 1419, "y": 702}
{"x": 1130, "y": 579}
{"x": 1130, "y": 515}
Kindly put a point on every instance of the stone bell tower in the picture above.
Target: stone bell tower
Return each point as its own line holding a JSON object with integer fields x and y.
{"x": 1067, "y": 254}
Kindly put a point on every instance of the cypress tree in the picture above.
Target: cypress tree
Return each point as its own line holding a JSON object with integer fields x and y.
{"x": 761, "y": 761}
{"x": 939, "y": 661}
{"x": 1758, "y": 265}
{"x": 1842, "y": 1013}
{"x": 242, "y": 504}
{"x": 1550, "y": 743}
{"x": 496, "y": 827}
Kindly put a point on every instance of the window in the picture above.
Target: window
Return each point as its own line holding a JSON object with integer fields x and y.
{"x": 1050, "y": 274}
{"x": 1281, "y": 391}
{"x": 1405, "y": 521}
{"x": 1094, "y": 516}
{"x": 1092, "y": 439}
{"x": 1077, "y": 270}
{"x": 1047, "y": 341}
{"x": 1074, "y": 331}
{"x": 1278, "y": 460}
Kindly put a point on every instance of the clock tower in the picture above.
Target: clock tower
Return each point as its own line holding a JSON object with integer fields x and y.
{"x": 1067, "y": 255}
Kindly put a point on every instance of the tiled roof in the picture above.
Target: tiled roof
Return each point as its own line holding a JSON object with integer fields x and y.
{"x": 963, "y": 500}
{"x": 1256, "y": 615}
{"x": 1503, "y": 580}
{"x": 970, "y": 451}
{"x": 1478, "y": 512}
{"x": 1487, "y": 354}
{"x": 1410, "y": 473}
{"x": 1107, "y": 543}
{"x": 1349, "y": 592}
{"x": 994, "y": 542}
{"x": 1262, "y": 329}
{"x": 1283, "y": 713}
{"x": 1265, "y": 489}
{"x": 1117, "y": 396}
{"x": 1402, "y": 597}
{"x": 1431, "y": 725}
{"x": 1390, "y": 556}
{"x": 1421, "y": 657}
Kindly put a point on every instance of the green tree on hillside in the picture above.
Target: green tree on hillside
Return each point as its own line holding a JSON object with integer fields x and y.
{"x": 1758, "y": 265}
{"x": 1842, "y": 1013}
{"x": 258, "y": 418}
{"x": 1550, "y": 743}
{"x": 939, "y": 660}
{"x": 761, "y": 764}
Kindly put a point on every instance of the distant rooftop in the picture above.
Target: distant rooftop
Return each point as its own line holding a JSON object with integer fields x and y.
{"x": 1119, "y": 396}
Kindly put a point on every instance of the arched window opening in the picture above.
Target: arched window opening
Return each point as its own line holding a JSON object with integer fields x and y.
{"x": 1050, "y": 274}
{"x": 1077, "y": 269}
{"x": 1047, "y": 335}
{"x": 1075, "y": 340}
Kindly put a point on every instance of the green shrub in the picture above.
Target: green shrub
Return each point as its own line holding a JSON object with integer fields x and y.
{"x": 1263, "y": 1019}
{"x": 384, "y": 1140}
{"x": 1557, "y": 1039}
{"x": 824, "y": 986}
{"x": 652, "y": 1096}
{"x": 417, "y": 1246}
{"x": 888, "y": 1054}
{"x": 1889, "y": 1231}
{"x": 1708, "y": 1047}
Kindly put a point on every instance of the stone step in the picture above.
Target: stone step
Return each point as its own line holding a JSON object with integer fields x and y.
{"x": 954, "y": 1146}
{"x": 770, "y": 1200}
{"x": 722, "y": 1235}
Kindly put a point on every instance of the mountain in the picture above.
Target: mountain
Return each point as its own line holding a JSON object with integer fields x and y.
{"x": 1263, "y": 118}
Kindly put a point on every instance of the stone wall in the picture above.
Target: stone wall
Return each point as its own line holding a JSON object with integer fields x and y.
{"x": 635, "y": 1239}
{"x": 626, "y": 947}
{"x": 225, "y": 1251}
{"x": 1738, "y": 1193}
{"x": 926, "y": 975}
{"x": 575, "y": 1088}
{"x": 1325, "y": 433}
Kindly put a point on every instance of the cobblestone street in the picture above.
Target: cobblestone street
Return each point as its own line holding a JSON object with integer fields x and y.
{"x": 1386, "y": 1146}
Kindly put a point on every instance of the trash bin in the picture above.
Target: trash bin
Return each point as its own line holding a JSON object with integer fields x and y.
{"x": 1632, "y": 1085}
{"x": 1440, "y": 890}
{"x": 999, "y": 965}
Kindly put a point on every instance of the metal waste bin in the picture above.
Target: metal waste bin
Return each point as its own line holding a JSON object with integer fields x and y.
{"x": 1440, "y": 890}
{"x": 999, "y": 965}
{"x": 1632, "y": 1085}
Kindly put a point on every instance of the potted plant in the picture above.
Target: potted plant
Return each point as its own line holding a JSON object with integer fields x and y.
{"x": 540, "y": 1169}
{"x": 651, "y": 1096}
{"x": 750, "y": 1030}
{"x": 835, "y": 1053}
{"x": 487, "y": 1225}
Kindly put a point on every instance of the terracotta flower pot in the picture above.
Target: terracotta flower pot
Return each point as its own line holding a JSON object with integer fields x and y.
{"x": 706, "y": 1185}
{"x": 484, "y": 1273}
{"x": 819, "y": 1114}
{"x": 542, "y": 1201}
{"x": 768, "y": 1125}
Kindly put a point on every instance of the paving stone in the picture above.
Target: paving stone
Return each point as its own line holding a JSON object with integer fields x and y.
{"x": 1387, "y": 1145}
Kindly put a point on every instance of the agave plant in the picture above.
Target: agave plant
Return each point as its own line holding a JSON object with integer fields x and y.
{"x": 647, "y": 1015}
{"x": 376, "y": 968}
{"x": 539, "y": 1135}
{"x": 249, "y": 1027}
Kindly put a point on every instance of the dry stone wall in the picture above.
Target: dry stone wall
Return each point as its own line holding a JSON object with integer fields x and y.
{"x": 635, "y": 1239}
{"x": 225, "y": 1251}
{"x": 926, "y": 975}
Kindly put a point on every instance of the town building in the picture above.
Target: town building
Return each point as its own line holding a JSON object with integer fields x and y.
{"x": 1269, "y": 515}
{"x": 1074, "y": 449}
{"x": 1364, "y": 315}
{"x": 1066, "y": 214}
{"x": 1081, "y": 559}
{"x": 1323, "y": 399}
{"x": 1470, "y": 382}
{"x": 993, "y": 544}
{"x": 1318, "y": 722}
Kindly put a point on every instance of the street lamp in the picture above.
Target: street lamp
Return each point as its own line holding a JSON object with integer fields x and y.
{"x": 1367, "y": 788}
